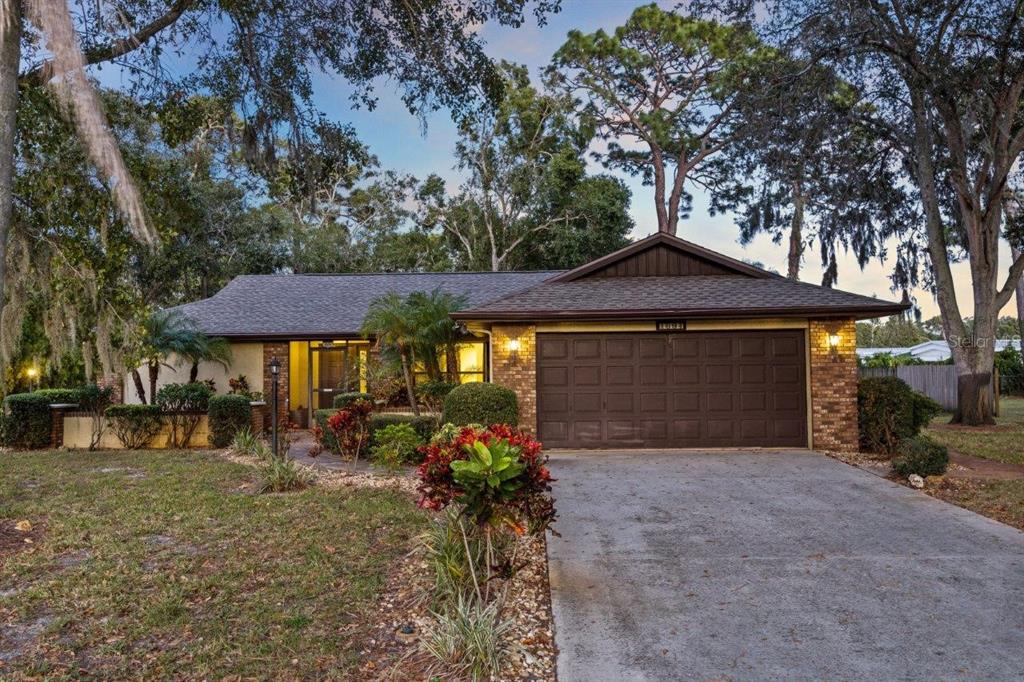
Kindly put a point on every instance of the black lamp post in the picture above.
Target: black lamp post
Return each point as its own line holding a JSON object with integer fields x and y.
{"x": 275, "y": 371}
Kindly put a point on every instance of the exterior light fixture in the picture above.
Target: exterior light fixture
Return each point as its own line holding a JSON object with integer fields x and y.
{"x": 275, "y": 372}
{"x": 833, "y": 341}
{"x": 32, "y": 372}
{"x": 513, "y": 350}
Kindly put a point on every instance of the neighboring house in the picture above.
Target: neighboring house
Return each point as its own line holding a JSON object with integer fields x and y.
{"x": 928, "y": 351}
{"x": 661, "y": 344}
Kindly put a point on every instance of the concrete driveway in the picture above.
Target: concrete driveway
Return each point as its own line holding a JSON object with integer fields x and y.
{"x": 772, "y": 566}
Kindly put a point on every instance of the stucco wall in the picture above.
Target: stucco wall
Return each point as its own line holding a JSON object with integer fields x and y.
{"x": 246, "y": 358}
{"x": 78, "y": 433}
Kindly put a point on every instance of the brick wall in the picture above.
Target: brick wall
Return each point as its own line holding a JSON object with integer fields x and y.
{"x": 833, "y": 386}
{"x": 116, "y": 384}
{"x": 278, "y": 349}
{"x": 517, "y": 370}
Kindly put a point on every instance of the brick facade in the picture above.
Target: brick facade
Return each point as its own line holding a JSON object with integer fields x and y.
{"x": 278, "y": 349}
{"x": 517, "y": 369}
{"x": 833, "y": 386}
{"x": 116, "y": 384}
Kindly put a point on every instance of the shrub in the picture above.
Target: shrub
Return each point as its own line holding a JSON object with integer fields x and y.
{"x": 184, "y": 404}
{"x": 889, "y": 412}
{"x": 61, "y": 396}
{"x": 479, "y": 403}
{"x": 467, "y": 637}
{"x": 325, "y": 439}
{"x": 245, "y": 442}
{"x": 433, "y": 393}
{"x": 344, "y": 399}
{"x": 134, "y": 425}
{"x": 351, "y": 428}
{"x": 445, "y": 552}
{"x": 395, "y": 445}
{"x": 280, "y": 474}
{"x": 28, "y": 424}
{"x": 921, "y": 456}
{"x": 229, "y": 414}
{"x": 425, "y": 424}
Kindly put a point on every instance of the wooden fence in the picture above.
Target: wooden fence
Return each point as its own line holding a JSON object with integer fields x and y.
{"x": 938, "y": 382}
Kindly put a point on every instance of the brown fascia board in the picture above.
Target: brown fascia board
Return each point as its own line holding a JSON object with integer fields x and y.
{"x": 860, "y": 312}
{"x": 669, "y": 240}
{"x": 319, "y": 336}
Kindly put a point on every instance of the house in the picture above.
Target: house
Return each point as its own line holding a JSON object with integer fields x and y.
{"x": 929, "y": 351}
{"x": 661, "y": 344}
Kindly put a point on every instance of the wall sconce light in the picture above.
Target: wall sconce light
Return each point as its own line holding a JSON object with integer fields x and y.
{"x": 513, "y": 349}
{"x": 833, "y": 344}
{"x": 31, "y": 372}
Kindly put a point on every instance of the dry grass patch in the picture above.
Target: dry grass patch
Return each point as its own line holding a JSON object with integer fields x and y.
{"x": 162, "y": 564}
{"x": 1003, "y": 442}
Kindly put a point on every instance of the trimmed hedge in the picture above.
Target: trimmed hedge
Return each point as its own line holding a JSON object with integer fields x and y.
{"x": 889, "y": 412}
{"x": 28, "y": 422}
{"x": 395, "y": 445}
{"x": 134, "y": 425}
{"x": 183, "y": 404}
{"x": 921, "y": 456}
{"x": 480, "y": 403}
{"x": 229, "y": 414}
{"x": 66, "y": 396}
{"x": 343, "y": 399}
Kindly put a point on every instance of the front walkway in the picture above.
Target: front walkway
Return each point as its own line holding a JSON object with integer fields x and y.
{"x": 772, "y": 566}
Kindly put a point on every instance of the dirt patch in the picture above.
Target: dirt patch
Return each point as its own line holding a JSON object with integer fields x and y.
{"x": 13, "y": 540}
{"x": 17, "y": 638}
{"x": 967, "y": 466}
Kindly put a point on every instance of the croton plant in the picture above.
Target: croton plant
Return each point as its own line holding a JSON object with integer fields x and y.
{"x": 498, "y": 474}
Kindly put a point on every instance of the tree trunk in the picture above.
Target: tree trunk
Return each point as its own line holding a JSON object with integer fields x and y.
{"x": 407, "y": 374}
{"x": 1019, "y": 295}
{"x": 796, "y": 228}
{"x": 154, "y": 372}
{"x": 974, "y": 401}
{"x": 140, "y": 390}
{"x": 193, "y": 374}
{"x": 451, "y": 363}
{"x": 10, "y": 58}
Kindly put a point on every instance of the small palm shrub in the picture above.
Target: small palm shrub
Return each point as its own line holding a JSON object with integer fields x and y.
{"x": 467, "y": 637}
{"x": 889, "y": 411}
{"x": 479, "y": 403}
{"x": 228, "y": 415}
{"x": 134, "y": 425}
{"x": 396, "y": 445}
{"x": 280, "y": 475}
{"x": 184, "y": 405}
{"x": 921, "y": 456}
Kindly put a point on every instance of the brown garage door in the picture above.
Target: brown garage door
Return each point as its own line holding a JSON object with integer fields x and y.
{"x": 686, "y": 389}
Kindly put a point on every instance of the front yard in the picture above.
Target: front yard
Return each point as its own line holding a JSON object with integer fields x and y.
{"x": 1003, "y": 442}
{"x": 158, "y": 564}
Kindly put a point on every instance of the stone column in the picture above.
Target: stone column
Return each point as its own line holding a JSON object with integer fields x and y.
{"x": 278, "y": 349}
{"x": 833, "y": 383}
{"x": 517, "y": 369}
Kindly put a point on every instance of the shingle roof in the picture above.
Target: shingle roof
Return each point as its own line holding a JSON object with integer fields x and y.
{"x": 297, "y": 306}
{"x": 691, "y": 296}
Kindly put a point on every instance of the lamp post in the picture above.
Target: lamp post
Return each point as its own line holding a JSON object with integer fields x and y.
{"x": 275, "y": 371}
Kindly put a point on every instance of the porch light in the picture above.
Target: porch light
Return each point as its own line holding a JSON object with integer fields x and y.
{"x": 275, "y": 370}
{"x": 833, "y": 341}
{"x": 513, "y": 351}
{"x": 32, "y": 372}
{"x": 275, "y": 366}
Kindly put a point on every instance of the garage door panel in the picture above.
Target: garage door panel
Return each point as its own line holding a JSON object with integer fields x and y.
{"x": 680, "y": 389}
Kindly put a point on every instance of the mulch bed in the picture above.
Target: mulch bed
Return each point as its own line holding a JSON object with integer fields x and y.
{"x": 388, "y": 654}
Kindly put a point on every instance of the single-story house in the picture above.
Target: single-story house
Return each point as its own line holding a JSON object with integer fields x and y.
{"x": 661, "y": 344}
{"x": 929, "y": 351}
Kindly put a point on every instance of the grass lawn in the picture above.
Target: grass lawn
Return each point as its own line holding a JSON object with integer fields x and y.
{"x": 164, "y": 564}
{"x": 999, "y": 500}
{"x": 1003, "y": 442}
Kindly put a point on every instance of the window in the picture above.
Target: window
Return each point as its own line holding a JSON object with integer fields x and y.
{"x": 472, "y": 363}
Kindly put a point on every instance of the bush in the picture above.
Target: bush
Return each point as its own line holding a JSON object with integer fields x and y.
{"x": 324, "y": 436}
{"x": 344, "y": 399}
{"x": 921, "y": 456}
{"x": 229, "y": 414}
{"x": 479, "y": 403}
{"x": 61, "y": 396}
{"x": 425, "y": 424}
{"x": 134, "y": 425}
{"x": 467, "y": 637}
{"x": 433, "y": 393}
{"x": 889, "y": 412}
{"x": 395, "y": 445}
{"x": 28, "y": 424}
{"x": 350, "y": 427}
{"x": 280, "y": 474}
{"x": 245, "y": 442}
{"x": 94, "y": 401}
{"x": 184, "y": 404}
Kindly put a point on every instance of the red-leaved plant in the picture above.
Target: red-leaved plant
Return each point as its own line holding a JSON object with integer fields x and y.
{"x": 530, "y": 505}
{"x": 351, "y": 427}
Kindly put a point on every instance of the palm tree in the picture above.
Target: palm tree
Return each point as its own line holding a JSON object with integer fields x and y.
{"x": 393, "y": 322}
{"x": 169, "y": 332}
{"x": 436, "y": 330}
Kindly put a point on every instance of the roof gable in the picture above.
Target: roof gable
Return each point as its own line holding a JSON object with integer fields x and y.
{"x": 662, "y": 255}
